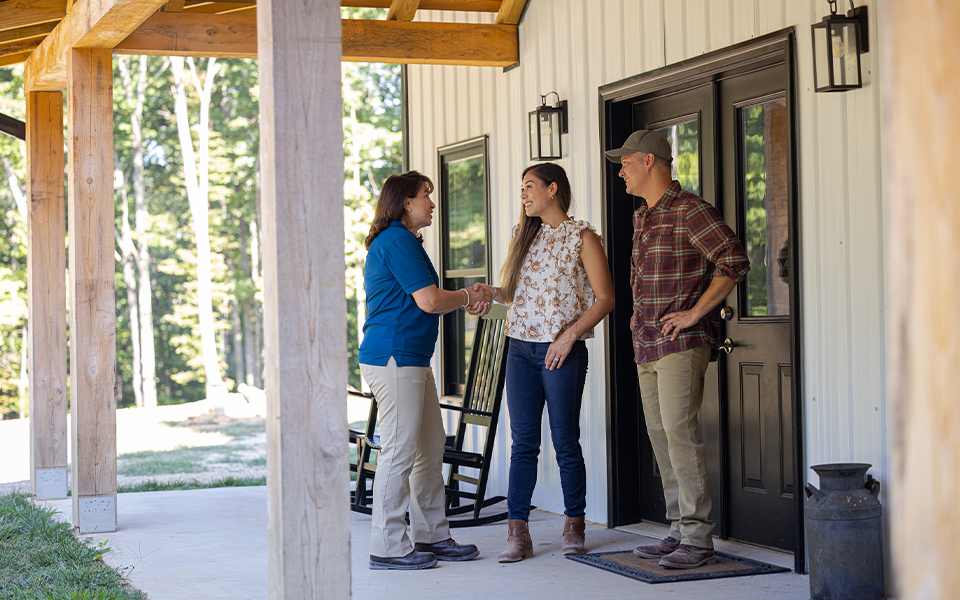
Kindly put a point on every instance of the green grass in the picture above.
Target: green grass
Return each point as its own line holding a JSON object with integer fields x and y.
{"x": 179, "y": 460}
{"x": 154, "y": 486}
{"x": 40, "y": 558}
{"x": 239, "y": 429}
{"x": 184, "y": 459}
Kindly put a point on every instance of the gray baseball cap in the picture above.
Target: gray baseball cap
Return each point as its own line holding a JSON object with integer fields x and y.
{"x": 646, "y": 141}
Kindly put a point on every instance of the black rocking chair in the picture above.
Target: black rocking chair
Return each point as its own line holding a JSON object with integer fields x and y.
{"x": 480, "y": 410}
{"x": 367, "y": 442}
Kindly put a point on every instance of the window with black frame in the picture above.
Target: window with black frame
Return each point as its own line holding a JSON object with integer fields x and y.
{"x": 465, "y": 253}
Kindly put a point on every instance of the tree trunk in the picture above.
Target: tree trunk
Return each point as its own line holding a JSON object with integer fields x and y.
{"x": 147, "y": 362}
{"x": 148, "y": 355}
{"x": 19, "y": 197}
{"x": 127, "y": 260}
{"x": 24, "y": 376}
{"x": 249, "y": 357}
{"x": 245, "y": 348}
{"x": 239, "y": 365}
{"x": 255, "y": 262}
{"x": 196, "y": 177}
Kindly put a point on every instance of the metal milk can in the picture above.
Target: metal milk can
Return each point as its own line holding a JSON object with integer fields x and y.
{"x": 844, "y": 540}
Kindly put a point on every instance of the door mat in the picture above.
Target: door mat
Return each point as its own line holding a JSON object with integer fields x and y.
{"x": 648, "y": 570}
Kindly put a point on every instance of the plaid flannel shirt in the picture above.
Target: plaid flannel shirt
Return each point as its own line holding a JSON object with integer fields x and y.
{"x": 679, "y": 246}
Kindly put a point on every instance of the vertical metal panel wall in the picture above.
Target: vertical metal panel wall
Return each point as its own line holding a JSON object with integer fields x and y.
{"x": 576, "y": 46}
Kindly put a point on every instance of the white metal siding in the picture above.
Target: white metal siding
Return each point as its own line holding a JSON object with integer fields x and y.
{"x": 575, "y": 47}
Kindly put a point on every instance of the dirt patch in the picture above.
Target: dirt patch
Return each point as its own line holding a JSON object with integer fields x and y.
{"x": 214, "y": 422}
{"x": 201, "y": 441}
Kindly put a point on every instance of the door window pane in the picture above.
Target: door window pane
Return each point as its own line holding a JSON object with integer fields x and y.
{"x": 763, "y": 135}
{"x": 684, "y": 138}
{"x": 464, "y": 195}
{"x": 463, "y": 209}
{"x": 459, "y": 328}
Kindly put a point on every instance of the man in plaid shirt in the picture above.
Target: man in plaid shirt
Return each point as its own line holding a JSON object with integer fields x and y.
{"x": 685, "y": 261}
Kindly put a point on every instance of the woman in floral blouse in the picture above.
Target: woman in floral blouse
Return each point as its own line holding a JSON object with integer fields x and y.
{"x": 557, "y": 285}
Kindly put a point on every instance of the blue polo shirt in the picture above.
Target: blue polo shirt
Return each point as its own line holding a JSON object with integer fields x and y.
{"x": 397, "y": 265}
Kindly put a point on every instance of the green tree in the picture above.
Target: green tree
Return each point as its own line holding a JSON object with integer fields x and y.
{"x": 13, "y": 274}
{"x": 158, "y": 246}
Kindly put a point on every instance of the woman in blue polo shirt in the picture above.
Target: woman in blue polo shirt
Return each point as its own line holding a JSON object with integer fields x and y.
{"x": 404, "y": 304}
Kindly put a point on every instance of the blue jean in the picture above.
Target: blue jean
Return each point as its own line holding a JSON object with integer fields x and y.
{"x": 529, "y": 386}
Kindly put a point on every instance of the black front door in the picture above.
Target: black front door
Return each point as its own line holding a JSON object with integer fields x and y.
{"x": 758, "y": 371}
{"x": 730, "y": 137}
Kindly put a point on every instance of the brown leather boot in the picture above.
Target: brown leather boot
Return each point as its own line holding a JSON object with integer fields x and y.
{"x": 573, "y": 535}
{"x": 519, "y": 544}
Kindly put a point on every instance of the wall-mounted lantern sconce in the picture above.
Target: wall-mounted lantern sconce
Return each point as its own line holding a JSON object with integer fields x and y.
{"x": 838, "y": 42}
{"x": 547, "y": 123}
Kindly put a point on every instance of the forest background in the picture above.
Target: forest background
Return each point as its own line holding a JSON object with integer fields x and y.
{"x": 189, "y": 266}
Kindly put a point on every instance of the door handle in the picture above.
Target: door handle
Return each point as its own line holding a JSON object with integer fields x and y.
{"x": 727, "y": 345}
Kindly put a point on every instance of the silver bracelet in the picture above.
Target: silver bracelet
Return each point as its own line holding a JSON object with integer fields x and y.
{"x": 464, "y": 290}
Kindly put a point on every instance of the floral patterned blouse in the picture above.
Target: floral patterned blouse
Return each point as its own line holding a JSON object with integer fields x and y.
{"x": 553, "y": 291}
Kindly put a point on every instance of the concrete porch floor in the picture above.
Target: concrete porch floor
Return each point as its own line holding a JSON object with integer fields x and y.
{"x": 212, "y": 544}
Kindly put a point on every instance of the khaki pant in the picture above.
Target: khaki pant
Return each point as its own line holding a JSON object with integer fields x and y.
{"x": 672, "y": 392}
{"x": 409, "y": 467}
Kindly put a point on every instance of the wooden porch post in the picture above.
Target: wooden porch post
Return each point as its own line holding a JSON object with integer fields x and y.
{"x": 92, "y": 294}
{"x": 301, "y": 144}
{"x": 921, "y": 130}
{"x": 47, "y": 296}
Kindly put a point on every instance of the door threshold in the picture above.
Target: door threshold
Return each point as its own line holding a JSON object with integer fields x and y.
{"x": 781, "y": 558}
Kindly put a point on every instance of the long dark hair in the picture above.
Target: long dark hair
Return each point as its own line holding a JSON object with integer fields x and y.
{"x": 390, "y": 205}
{"x": 530, "y": 226}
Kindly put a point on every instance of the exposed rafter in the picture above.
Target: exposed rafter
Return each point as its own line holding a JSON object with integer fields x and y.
{"x": 22, "y": 13}
{"x": 510, "y": 11}
{"x": 13, "y": 127}
{"x": 185, "y": 34}
{"x": 14, "y": 59}
{"x": 26, "y": 33}
{"x": 219, "y": 8}
{"x": 173, "y": 6}
{"x": 89, "y": 24}
{"x": 461, "y": 5}
{"x": 402, "y": 10}
{"x": 19, "y": 47}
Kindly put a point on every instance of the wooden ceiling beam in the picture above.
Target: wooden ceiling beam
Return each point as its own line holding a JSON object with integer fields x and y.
{"x": 234, "y": 36}
{"x": 420, "y": 42}
{"x": 510, "y": 12}
{"x": 22, "y": 13}
{"x": 89, "y": 24}
{"x": 402, "y": 10}
{"x": 194, "y": 34}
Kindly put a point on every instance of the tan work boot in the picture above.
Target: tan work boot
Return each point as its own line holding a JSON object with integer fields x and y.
{"x": 573, "y": 535}
{"x": 519, "y": 544}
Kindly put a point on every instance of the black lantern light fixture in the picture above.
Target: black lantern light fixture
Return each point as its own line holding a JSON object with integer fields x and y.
{"x": 838, "y": 42}
{"x": 547, "y": 124}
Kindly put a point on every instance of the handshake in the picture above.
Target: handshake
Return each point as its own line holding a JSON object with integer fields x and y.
{"x": 481, "y": 299}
